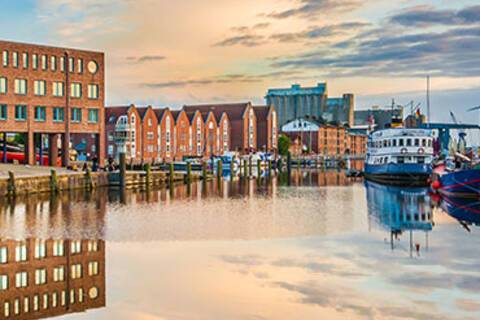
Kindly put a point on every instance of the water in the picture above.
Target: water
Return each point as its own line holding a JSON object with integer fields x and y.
{"x": 320, "y": 246}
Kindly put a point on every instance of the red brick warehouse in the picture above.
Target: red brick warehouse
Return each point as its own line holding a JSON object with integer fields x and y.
{"x": 51, "y": 92}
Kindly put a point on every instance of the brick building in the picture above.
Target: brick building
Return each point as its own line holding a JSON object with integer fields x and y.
{"x": 243, "y": 123}
{"x": 197, "y": 131}
{"x": 267, "y": 128}
{"x": 166, "y": 130}
{"x": 51, "y": 94}
{"x": 47, "y": 278}
{"x": 183, "y": 140}
{"x": 123, "y": 132}
{"x": 149, "y": 134}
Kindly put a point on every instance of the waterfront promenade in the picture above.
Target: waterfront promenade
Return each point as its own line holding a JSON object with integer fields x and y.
{"x": 30, "y": 171}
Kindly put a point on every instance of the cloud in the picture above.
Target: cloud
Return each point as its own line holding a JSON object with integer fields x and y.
{"x": 387, "y": 52}
{"x": 427, "y": 15}
{"x": 148, "y": 58}
{"x": 247, "y": 40}
{"x": 312, "y": 8}
{"x": 320, "y": 32}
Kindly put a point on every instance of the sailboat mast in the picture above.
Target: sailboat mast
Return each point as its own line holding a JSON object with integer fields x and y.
{"x": 428, "y": 101}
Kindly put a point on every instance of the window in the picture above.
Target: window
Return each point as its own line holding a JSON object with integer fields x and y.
{"x": 39, "y": 87}
{"x": 409, "y": 142}
{"x": 20, "y": 86}
{"x": 92, "y": 246}
{"x": 45, "y": 300}
{"x": 25, "y": 60}
{"x": 424, "y": 142}
{"x": 93, "y": 268}
{"x": 26, "y": 304}
{"x": 59, "y": 274}
{"x": 3, "y": 85}
{"x": 421, "y": 160}
{"x": 16, "y": 306}
{"x": 72, "y": 296}
{"x": 429, "y": 143}
{"x": 80, "y": 295}
{"x": 150, "y": 135}
{"x": 44, "y": 62}
{"x": 92, "y": 91}
{"x": 150, "y": 122}
{"x": 58, "y": 89}
{"x": 5, "y": 58}
{"x": 54, "y": 299}
{"x": 21, "y": 252}
{"x": 3, "y": 255}
{"x": 62, "y": 64}
{"x": 75, "y": 246}
{"x": 3, "y": 113}
{"x": 40, "y": 276}
{"x": 71, "y": 65}
{"x": 40, "y": 247}
{"x": 15, "y": 59}
{"x": 58, "y": 116}
{"x": 35, "y": 61}
{"x": 6, "y": 309}
{"x": 93, "y": 115}
{"x": 3, "y": 282}
{"x": 21, "y": 279}
{"x": 76, "y": 271}
{"x": 63, "y": 298}
{"x": 417, "y": 142}
{"x": 400, "y": 142}
{"x": 76, "y": 90}
{"x": 76, "y": 115}
{"x": 20, "y": 113}
{"x": 53, "y": 63}
{"x": 36, "y": 302}
{"x": 80, "y": 65}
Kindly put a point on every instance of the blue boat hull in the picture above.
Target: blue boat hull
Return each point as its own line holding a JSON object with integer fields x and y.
{"x": 463, "y": 183}
{"x": 399, "y": 174}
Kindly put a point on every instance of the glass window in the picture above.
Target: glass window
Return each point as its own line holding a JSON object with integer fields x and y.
{"x": 400, "y": 142}
{"x": 5, "y": 58}
{"x": 3, "y": 282}
{"x": 40, "y": 247}
{"x": 76, "y": 90}
{"x": 76, "y": 115}
{"x": 54, "y": 299}
{"x": 44, "y": 62}
{"x": 26, "y": 304}
{"x": 429, "y": 143}
{"x": 3, "y": 113}
{"x": 53, "y": 63}
{"x": 59, "y": 273}
{"x": 15, "y": 59}
{"x": 3, "y": 254}
{"x": 58, "y": 89}
{"x": 62, "y": 64}
{"x": 417, "y": 142}
{"x": 25, "y": 60}
{"x": 20, "y": 112}
{"x": 93, "y": 268}
{"x": 71, "y": 64}
{"x": 92, "y": 245}
{"x": 45, "y": 301}
{"x": 76, "y": 271}
{"x": 93, "y": 115}
{"x": 6, "y": 309}
{"x": 35, "y": 61}
{"x": 93, "y": 91}
{"x": 20, "y": 86}
{"x": 16, "y": 306}
{"x": 3, "y": 85}
{"x": 58, "y": 116}
{"x": 76, "y": 246}
{"x": 409, "y": 142}
{"x": 21, "y": 252}
{"x": 21, "y": 279}
{"x": 394, "y": 142}
{"x": 40, "y": 276}
{"x": 80, "y": 295}
{"x": 39, "y": 87}
{"x": 80, "y": 65}
{"x": 36, "y": 302}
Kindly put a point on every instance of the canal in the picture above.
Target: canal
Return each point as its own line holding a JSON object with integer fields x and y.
{"x": 319, "y": 246}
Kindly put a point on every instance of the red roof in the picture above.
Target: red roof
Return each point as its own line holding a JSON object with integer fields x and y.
{"x": 112, "y": 113}
{"x": 261, "y": 112}
{"x": 160, "y": 112}
{"x": 234, "y": 111}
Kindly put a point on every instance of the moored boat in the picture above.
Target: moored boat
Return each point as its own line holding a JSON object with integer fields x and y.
{"x": 400, "y": 156}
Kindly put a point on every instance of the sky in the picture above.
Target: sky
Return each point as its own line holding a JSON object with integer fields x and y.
{"x": 171, "y": 53}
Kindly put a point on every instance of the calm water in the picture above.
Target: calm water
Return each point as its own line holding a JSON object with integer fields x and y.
{"x": 319, "y": 247}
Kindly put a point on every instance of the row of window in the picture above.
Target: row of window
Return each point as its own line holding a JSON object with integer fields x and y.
{"x": 40, "y": 88}
{"x": 45, "y": 300}
{"x": 21, "y": 278}
{"x": 40, "y": 114}
{"x": 40, "y": 249}
{"x": 401, "y": 142}
{"x": 44, "y": 62}
{"x": 400, "y": 160}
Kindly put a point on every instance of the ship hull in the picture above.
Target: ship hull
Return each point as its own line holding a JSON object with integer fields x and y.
{"x": 399, "y": 174}
{"x": 462, "y": 184}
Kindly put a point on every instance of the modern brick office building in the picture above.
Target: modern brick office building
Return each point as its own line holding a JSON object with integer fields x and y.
{"x": 51, "y": 94}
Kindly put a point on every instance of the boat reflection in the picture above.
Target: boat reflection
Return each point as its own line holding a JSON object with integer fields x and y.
{"x": 398, "y": 209}
{"x": 466, "y": 211}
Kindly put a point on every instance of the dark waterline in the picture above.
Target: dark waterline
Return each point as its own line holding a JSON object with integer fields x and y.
{"x": 318, "y": 245}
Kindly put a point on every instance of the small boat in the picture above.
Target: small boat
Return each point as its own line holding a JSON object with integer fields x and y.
{"x": 399, "y": 156}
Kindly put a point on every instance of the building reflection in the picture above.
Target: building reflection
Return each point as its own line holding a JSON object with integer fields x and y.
{"x": 317, "y": 178}
{"x": 398, "y": 209}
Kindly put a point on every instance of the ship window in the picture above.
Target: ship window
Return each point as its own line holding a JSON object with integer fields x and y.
{"x": 421, "y": 160}
{"x": 429, "y": 143}
{"x": 424, "y": 142}
{"x": 400, "y": 160}
{"x": 384, "y": 143}
{"x": 394, "y": 142}
{"x": 417, "y": 142}
{"x": 409, "y": 142}
{"x": 385, "y": 160}
{"x": 400, "y": 142}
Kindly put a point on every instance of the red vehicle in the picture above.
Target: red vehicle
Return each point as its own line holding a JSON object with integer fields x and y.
{"x": 16, "y": 154}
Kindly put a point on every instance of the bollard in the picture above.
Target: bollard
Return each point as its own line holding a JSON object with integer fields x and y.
{"x": 88, "y": 179}
{"x": 250, "y": 166}
{"x": 148, "y": 175}
{"x": 245, "y": 170}
{"x": 232, "y": 167}
{"x": 171, "y": 175}
{"x": 53, "y": 181}
{"x": 123, "y": 170}
{"x": 269, "y": 167}
{"x": 11, "y": 189}
{"x": 204, "y": 171}
{"x": 189, "y": 172}
{"x": 219, "y": 170}
{"x": 259, "y": 167}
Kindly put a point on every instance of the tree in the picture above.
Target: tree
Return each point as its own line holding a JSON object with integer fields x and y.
{"x": 284, "y": 143}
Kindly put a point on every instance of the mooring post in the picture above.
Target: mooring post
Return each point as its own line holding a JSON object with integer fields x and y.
{"x": 123, "y": 170}
{"x": 219, "y": 170}
{"x": 53, "y": 181}
{"x": 250, "y": 166}
{"x": 204, "y": 170}
{"x": 189, "y": 172}
{"x": 245, "y": 169}
{"x": 259, "y": 167}
{"x": 88, "y": 178}
{"x": 171, "y": 175}
{"x": 232, "y": 167}
{"x": 270, "y": 169}
{"x": 11, "y": 189}
{"x": 148, "y": 174}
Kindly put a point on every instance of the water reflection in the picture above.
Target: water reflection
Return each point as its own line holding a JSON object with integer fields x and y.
{"x": 465, "y": 211}
{"x": 46, "y": 278}
{"x": 398, "y": 209}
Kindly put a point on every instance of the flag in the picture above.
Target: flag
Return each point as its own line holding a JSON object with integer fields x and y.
{"x": 418, "y": 113}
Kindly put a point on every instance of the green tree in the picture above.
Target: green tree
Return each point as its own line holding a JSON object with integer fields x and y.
{"x": 283, "y": 144}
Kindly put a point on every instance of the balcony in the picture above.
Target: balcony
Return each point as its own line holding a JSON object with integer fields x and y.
{"x": 123, "y": 127}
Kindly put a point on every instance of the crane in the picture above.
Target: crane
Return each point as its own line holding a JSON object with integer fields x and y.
{"x": 461, "y": 133}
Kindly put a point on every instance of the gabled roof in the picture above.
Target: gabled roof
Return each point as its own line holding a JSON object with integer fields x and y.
{"x": 142, "y": 111}
{"x": 261, "y": 112}
{"x": 112, "y": 113}
{"x": 234, "y": 111}
{"x": 160, "y": 112}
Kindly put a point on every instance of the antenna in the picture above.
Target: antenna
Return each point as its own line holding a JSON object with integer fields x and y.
{"x": 428, "y": 101}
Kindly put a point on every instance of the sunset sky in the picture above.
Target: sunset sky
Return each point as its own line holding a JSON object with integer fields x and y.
{"x": 165, "y": 52}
